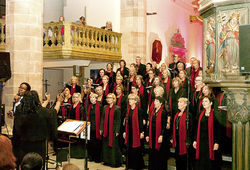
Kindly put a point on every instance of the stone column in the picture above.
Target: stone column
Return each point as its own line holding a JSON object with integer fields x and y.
{"x": 133, "y": 29}
{"x": 24, "y": 21}
{"x": 238, "y": 113}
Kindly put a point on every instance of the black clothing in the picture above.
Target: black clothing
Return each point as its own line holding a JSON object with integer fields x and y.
{"x": 204, "y": 161}
{"x": 78, "y": 88}
{"x": 31, "y": 130}
{"x": 158, "y": 159}
{"x": 135, "y": 157}
{"x": 125, "y": 72}
{"x": 94, "y": 145}
{"x": 141, "y": 69}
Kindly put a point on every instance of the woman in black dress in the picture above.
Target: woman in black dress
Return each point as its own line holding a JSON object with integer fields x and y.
{"x": 156, "y": 136}
{"x": 180, "y": 134}
{"x": 94, "y": 117}
{"x": 206, "y": 137}
{"x": 110, "y": 129}
{"x": 133, "y": 133}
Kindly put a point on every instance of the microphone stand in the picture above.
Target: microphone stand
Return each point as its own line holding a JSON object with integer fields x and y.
{"x": 187, "y": 123}
{"x": 86, "y": 132}
{"x": 126, "y": 122}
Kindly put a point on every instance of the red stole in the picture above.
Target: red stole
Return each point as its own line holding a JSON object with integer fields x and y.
{"x": 72, "y": 90}
{"x": 210, "y": 135}
{"x": 167, "y": 87}
{"x": 119, "y": 100}
{"x": 97, "y": 119}
{"x": 135, "y": 128}
{"x": 77, "y": 111}
{"x": 110, "y": 75}
{"x": 199, "y": 109}
{"x": 63, "y": 108}
{"x": 182, "y": 134}
{"x": 106, "y": 92}
{"x": 158, "y": 128}
{"x": 109, "y": 117}
{"x": 192, "y": 77}
{"x": 141, "y": 90}
{"x": 114, "y": 90}
{"x": 160, "y": 75}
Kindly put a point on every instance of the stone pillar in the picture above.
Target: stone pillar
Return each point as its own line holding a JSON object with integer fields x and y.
{"x": 238, "y": 113}
{"x": 133, "y": 28}
{"x": 24, "y": 21}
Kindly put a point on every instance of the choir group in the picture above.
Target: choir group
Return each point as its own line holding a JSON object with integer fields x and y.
{"x": 142, "y": 109}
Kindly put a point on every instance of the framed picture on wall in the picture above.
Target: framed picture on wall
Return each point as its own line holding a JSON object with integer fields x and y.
{"x": 94, "y": 73}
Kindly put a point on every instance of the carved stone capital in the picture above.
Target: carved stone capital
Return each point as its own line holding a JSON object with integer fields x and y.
{"x": 238, "y": 105}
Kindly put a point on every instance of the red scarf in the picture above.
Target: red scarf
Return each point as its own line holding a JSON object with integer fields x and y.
{"x": 158, "y": 128}
{"x": 192, "y": 77}
{"x": 119, "y": 100}
{"x": 199, "y": 109}
{"x": 135, "y": 128}
{"x": 167, "y": 87}
{"x": 210, "y": 135}
{"x": 97, "y": 81}
{"x": 72, "y": 90}
{"x": 77, "y": 111}
{"x": 106, "y": 92}
{"x": 152, "y": 106}
{"x": 97, "y": 119}
{"x": 183, "y": 83}
{"x": 160, "y": 75}
{"x": 114, "y": 90}
{"x": 182, "y": 134}
{"x": 63, "y": 108}
{"x": 141, "y": 90}
{"x": 109, "y": 115}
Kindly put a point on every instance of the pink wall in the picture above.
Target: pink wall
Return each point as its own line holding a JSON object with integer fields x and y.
{"x": 173, "y": 14}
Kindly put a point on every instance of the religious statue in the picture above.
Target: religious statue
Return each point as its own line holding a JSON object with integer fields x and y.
{"x": 229, "y": 44}
{"x": 210, "y": 45}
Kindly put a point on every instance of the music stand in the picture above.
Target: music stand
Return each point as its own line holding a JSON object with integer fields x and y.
{"x": 73, "y": 128}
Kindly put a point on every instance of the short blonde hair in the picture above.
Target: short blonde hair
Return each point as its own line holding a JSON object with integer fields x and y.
{"x": 183, "y": 99}
{"x": 168, "y": 72}
{"x": 157, "y": 77}
{"x": 78, "y": 95}
{"x": 176, "y": 79}
{"x": 74, "y": 77}
{"x": 93, "y": 95}
{"x": 120, "y": 86}
{"x": 105, "y": 76}
{"x": 184, "y": 71}
{"x": 111, "y": 95}
{"x": 119, "y": 76}
{"x": 161, "y": 90}
{"x": 133, "y": 96}
{"x": 139, "y": 77}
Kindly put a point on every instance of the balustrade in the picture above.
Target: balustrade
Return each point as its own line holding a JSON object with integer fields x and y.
{"x": 73, "y": 40}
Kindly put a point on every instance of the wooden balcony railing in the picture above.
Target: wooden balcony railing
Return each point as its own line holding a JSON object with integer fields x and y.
{"x": 75, "y": 41}
{"x": 67, "y": 40}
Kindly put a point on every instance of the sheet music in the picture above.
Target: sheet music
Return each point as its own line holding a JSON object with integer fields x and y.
{"x": 72, "y": 126}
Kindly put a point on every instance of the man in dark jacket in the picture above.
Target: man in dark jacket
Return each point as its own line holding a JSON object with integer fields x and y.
{"x": 141, "y": 68}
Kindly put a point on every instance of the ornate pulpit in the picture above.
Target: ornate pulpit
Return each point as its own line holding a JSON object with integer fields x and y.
{"x": 221, "y": 67}
{"x": 178, "y": 46}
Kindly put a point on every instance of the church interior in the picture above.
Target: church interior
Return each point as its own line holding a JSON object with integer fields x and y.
{"x": 51, "y": 41}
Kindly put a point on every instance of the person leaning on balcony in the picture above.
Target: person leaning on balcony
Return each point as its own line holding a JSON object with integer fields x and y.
{"x": 82, "y": 20}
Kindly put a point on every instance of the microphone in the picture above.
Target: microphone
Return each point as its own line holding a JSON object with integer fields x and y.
{"x": 95, "y": 84}
{"x": 65, "y": 104}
